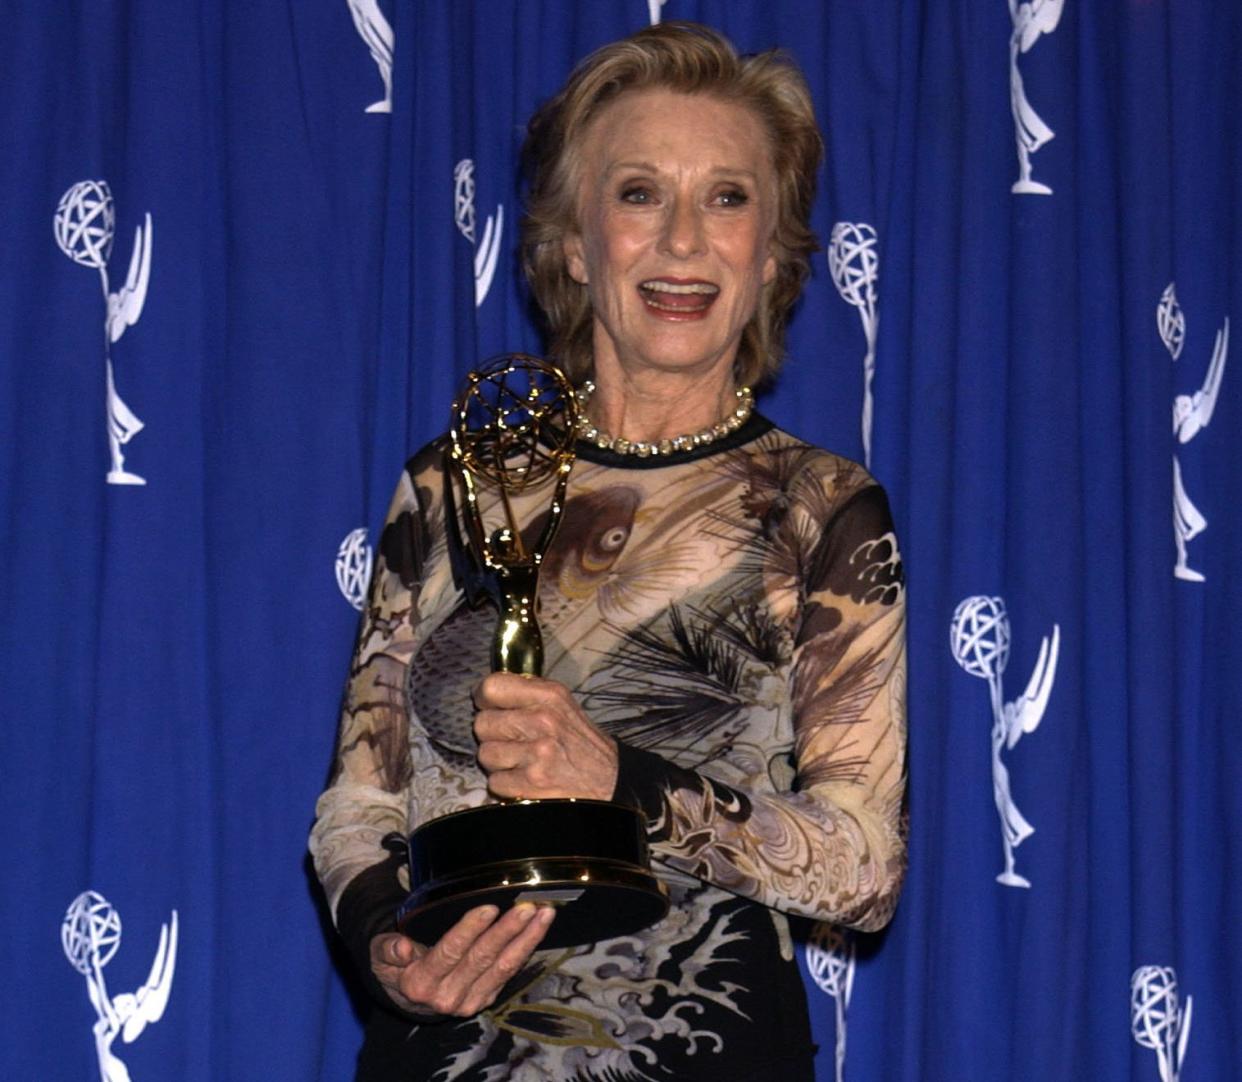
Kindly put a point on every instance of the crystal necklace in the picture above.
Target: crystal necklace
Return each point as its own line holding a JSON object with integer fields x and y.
{"x": 645, "y": 449}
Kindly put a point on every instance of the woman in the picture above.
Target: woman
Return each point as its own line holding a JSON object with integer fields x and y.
{"x": 722, "y": 612}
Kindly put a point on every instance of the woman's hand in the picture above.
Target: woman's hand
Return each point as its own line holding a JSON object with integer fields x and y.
{"x": 465, "y": 971}
{"x": 535, "y": 741}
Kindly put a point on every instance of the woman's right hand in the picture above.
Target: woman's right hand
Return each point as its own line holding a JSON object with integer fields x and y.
{"x": 465, "y": 971}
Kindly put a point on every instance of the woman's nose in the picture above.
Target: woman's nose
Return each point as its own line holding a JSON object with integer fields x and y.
{"x": 683, "y": 229}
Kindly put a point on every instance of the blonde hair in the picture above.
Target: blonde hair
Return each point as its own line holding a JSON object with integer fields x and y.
{"x": 690, "y": 59}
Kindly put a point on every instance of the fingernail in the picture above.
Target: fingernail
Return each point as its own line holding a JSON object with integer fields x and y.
{"x": 489, "y": 912}
{"x": 524, "y": 911}
{"x": 546, "y": 913}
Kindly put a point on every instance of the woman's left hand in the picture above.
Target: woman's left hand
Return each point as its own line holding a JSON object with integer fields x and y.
{"x": 535, "y": 741}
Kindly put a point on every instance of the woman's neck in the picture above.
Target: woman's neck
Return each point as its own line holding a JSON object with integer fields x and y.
{"x": 655, "y": 406}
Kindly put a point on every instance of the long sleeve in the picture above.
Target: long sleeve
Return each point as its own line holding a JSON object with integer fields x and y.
{"x": 832, "y": 846}
{"x": 358, "y": 839}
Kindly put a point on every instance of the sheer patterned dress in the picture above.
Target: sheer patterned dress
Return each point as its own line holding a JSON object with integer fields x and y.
{"x": 735, "y": 618}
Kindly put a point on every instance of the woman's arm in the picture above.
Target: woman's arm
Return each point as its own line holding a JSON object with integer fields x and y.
{"x": 358, "y": 840}
{"x": 833, "y": 848}
{"x": 830, "y": 848}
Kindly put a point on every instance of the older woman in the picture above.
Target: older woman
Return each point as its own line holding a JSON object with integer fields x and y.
{"x": 722, "y": 611}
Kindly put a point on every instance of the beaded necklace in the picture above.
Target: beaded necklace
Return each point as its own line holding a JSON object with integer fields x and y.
{"x": 645, "y": 449}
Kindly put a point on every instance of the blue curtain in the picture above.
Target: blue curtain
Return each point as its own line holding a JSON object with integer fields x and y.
{"x": 250, "y": 251}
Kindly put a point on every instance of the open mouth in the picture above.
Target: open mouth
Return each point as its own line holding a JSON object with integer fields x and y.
{"x": 678, "y": 298}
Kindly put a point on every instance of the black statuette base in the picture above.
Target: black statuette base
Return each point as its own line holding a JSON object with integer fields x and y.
{"x": 588, "y": 858}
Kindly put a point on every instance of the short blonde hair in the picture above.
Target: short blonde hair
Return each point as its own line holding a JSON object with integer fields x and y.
{"x": 690, "y": 59}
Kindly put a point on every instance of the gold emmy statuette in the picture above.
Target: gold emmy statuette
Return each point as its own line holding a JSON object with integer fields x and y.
{"x": 512, "y": 431}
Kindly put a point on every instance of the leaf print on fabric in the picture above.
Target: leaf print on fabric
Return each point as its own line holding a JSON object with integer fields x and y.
{"x": 753, "y": 630}
{"x": 773, "y": 475}
{"x": 374, "y": 741}
{"x": 669, "y": 688}
{"x": 831, "y": 689}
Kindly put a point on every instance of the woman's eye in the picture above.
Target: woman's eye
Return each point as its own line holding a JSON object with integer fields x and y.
{"x": 636, "y": 193}
{"x": 732, "y": 197}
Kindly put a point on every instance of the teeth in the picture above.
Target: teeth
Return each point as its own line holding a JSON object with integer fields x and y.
{"x": 704, "y": 288}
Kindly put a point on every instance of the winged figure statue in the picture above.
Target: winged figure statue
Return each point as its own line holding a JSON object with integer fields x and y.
{"x": 377, "y": 32}
{"x": 128, "y": 1014}
{"x": 1191, "y": 414}
{"x": 1031, "y": 20}
{"x": 124, "y": 308}
{"x": 1010, "y": 722}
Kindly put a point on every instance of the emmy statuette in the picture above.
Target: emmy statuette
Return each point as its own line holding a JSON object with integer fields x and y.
{"x": 513, "y": 429}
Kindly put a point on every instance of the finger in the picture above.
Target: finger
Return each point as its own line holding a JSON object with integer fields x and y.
{"x": 513, "y": 724}
{"x": 447, "y": 953}
{"x": 533, "y": 783}
{"x": 390, "y": 955}
{"x": 393, "y": 950}
{"x": 446, "y": 986}
{"x": 534, "y": 925}
{"x": 507, "y": 785}
{"x": 434, "y": 979}
{"x": 495, "y": 755}
{"x": 401, "y": 950}
{"x": 504, "y": 691}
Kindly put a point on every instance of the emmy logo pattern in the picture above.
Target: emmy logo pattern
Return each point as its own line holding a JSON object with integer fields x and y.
{"x": 84, "y": 225}
{"x": 353, "y": 567}
{"x": 854, "y": 261}
{"x": 376, "y": 31}
{"x": 1031, "y": 19}
{"x": 1191, "y": 414}
{"x": 830, "y": 961}
{"x": 980, "y": 638}
{"x": 1157, "y": 1019}
{"x": 90, "y": 935}
{"x": 486, "y": 251}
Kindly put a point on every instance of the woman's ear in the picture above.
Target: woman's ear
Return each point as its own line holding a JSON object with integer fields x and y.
{"x": 575, "y": 260}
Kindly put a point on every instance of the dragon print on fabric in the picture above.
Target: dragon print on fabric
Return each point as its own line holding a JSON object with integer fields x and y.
{"x": 735, "y": 620}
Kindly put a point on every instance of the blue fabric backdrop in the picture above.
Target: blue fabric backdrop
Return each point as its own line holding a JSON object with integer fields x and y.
{"x": 289, "y": 299}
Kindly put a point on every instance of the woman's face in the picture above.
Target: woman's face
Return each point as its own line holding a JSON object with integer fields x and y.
{"x": 676, "y": 208}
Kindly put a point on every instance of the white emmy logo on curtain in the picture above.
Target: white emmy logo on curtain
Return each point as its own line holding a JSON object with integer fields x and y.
{"x": 1191, "y": 414}
{"x": 90, "y": 935}
{"x": 84, "y": 224}
{"x": 353, "y": 567}
{"x": 980, "y": 639}
{"x": 653, "y": 10}
{"x": 854, "y": 262}
{"x": 1031, "y": 19}
{"x": 487, "y": 252}
{"x": 377, "y": 32}
{"x": 1157, "y": 1020}
{"x": 1171, "y": 321}
{"x": 830, "y": 961}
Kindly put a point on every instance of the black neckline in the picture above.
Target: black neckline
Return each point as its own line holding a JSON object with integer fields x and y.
{"x": 752, "y": 428}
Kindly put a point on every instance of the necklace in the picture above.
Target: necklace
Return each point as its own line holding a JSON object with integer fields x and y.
{"x": 645, "y": 449}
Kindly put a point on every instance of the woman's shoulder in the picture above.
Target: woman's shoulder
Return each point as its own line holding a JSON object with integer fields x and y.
{"x": 429, "y": 458}
{"x": 804, "y": 464}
